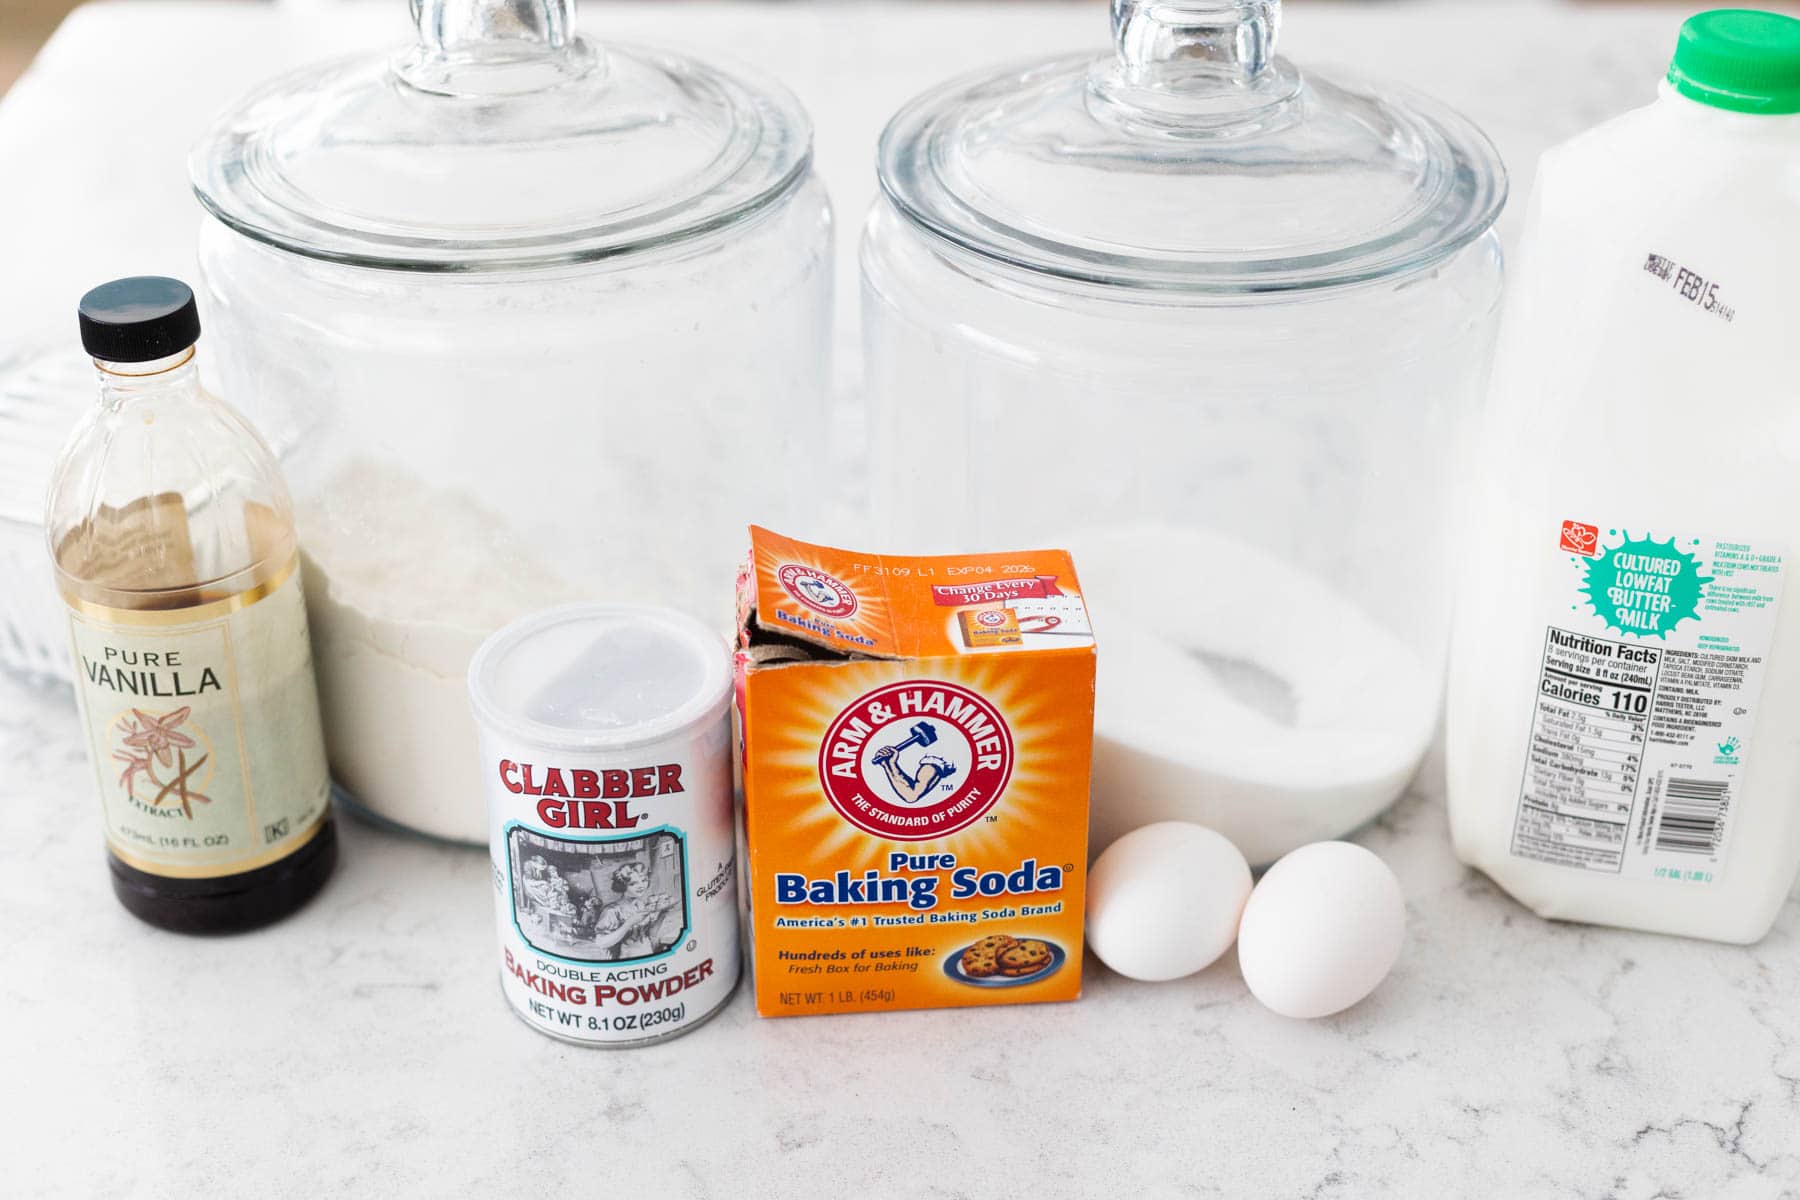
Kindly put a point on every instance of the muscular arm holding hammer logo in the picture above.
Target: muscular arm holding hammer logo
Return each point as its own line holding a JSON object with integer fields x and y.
{"x": 932, "y": 770}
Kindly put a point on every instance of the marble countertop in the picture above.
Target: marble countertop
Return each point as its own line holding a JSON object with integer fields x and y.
{"x": 362, "y": 1046}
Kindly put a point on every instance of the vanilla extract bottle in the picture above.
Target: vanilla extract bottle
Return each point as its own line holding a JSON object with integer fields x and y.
{"x": 173, "y": 541}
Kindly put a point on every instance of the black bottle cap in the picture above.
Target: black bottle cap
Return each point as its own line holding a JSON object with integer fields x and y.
{"x": 139, "y": 319}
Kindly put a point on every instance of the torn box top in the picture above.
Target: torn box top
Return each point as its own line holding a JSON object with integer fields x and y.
{"x": 799, "y": 602}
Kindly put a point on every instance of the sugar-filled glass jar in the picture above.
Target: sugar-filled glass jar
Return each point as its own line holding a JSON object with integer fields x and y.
{"x": 1218, "y": 325}
{"x": 543, "y": 319}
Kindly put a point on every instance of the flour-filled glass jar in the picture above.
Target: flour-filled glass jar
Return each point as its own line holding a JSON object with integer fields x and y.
{"x": 542, "y": 319}
{"x": 1218, "y": 325}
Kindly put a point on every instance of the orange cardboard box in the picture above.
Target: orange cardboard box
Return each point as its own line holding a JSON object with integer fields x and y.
{"x": 915, "y": 807}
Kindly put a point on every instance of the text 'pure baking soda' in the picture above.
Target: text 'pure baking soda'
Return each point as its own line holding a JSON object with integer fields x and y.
{"x": 917, "y": 735}
{"x": 606, "y": 756}
{"x": 1624, "y": 723}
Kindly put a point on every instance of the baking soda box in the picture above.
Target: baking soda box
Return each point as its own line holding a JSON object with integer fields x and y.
{"x": 916, "y": 737}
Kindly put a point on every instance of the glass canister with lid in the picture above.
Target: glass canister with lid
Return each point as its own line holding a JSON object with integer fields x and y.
{"x": 1218, "y": 326}
{"x": 544, "y": 320}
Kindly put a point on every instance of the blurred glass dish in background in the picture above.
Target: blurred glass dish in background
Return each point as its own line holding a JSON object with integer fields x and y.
{"x": 43, "y": 392}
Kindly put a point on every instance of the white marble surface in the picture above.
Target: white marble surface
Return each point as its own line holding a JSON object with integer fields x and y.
{"x": 362, "y": 1046}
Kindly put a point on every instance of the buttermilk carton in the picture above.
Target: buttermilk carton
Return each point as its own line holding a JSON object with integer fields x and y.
{"x": 916, "y": 737}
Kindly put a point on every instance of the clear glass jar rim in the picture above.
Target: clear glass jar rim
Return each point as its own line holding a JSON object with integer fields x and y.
{"x": 1469, "y": 178}
{"x": 767, "y": 158}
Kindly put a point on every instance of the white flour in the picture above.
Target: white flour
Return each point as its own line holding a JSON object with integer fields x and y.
{"x": 403, "y": 582}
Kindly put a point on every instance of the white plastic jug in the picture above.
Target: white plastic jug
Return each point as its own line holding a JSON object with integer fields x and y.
{"x": 1624, "y": 716}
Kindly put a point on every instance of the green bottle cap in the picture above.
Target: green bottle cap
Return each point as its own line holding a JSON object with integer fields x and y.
{"x": 1739, "y": 59}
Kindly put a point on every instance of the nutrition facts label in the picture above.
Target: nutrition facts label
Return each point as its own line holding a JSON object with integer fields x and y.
{"x": 1647, "y": 686}
{"x": 1587, "y": 750}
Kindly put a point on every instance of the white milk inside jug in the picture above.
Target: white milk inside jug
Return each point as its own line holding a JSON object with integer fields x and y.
{"x": 1624, "y": 716}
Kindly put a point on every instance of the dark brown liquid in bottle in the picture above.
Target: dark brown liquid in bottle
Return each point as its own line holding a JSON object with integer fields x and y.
{"x": 228, "y": 903}
{"x": 140, "y": 558}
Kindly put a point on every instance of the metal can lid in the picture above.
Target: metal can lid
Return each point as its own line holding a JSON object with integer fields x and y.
{"x": 599, "y": 676}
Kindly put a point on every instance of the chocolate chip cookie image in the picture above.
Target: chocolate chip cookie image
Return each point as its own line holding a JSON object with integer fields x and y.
{"x": 1027, "y": 958}
{"x": 1002, "y": 960}
{"x": 977, "y": 964}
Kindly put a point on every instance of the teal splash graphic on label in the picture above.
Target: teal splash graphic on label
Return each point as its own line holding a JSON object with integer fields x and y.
{"x": 1645, "y": 588}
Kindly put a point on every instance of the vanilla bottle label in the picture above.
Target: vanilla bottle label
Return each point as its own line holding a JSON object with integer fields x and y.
{"x": 203, "y": 726}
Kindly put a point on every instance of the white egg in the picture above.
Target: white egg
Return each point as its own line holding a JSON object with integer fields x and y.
{"x": 1321, "y": 930}
{"x": 1163, "y": 901}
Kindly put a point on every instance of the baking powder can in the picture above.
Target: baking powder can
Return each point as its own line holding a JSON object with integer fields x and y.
{"x": 605, "y": 734}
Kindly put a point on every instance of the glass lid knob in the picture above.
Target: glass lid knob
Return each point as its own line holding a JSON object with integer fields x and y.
{"x": 494, "y": 47}
{"x": 1195, "y": 67}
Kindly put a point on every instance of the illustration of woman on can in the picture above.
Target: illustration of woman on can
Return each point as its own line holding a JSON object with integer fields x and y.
{"x": 545, "y": 892}
{"x": 626, "y": 925}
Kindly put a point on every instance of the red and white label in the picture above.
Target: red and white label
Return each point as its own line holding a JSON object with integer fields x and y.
{"x": 1581, "y": 539}
{"x": 823, "y": 593}
{"x": 916, "y": 761}
{"x": 958, "y": 595}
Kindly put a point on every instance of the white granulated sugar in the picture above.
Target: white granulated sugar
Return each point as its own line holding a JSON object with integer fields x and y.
{"x": 1175, "y": 740}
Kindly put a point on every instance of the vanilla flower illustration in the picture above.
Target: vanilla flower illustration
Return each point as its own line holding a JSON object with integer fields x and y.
{"x": 159, "y": 736}
{"x": 133, "y": 764}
